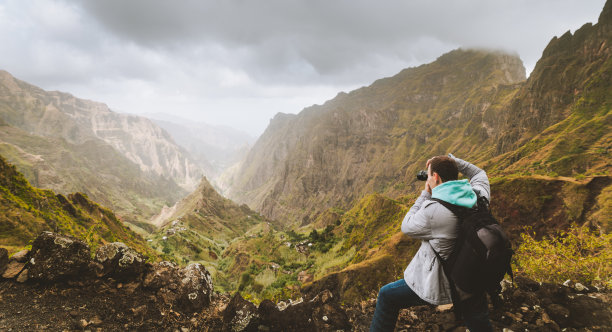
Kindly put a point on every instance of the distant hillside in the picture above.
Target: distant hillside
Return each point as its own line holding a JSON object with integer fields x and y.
{"x": 68, "y": 144}
{"x": 374, "y": 139}
{"x": 214, "y": 148}
{"x": 26, "y": 211}
{"x": 475, "y": 104}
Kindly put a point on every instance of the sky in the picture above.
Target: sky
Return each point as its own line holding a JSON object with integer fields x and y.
{"x": 239, "y": 62}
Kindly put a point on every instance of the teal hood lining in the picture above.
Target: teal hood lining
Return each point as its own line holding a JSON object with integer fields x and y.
{"x": 457, "y": 192}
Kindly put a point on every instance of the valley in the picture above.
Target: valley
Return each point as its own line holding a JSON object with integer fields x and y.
{"x": 311, "y": 210}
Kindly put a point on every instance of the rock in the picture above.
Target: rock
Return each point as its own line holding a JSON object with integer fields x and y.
{"x": 56, "y": 257}
{"x": 21, "y": 256}
{"x": 13, "y": 269}
{"x": 23, "y": 276}
{"x": 240, "y": 315}
{"x": 120, "y": 261}
{"x": 196, "y": 288}
{"x": 3, "y": 259}
{"x": 96, "y": 320}
{"x": 82, "y": 323}
{"x": 138, "y": 311}
{"x": 189, "y": 289}
{"x": 580, "y": 287}
{"x": 161, "y": 274}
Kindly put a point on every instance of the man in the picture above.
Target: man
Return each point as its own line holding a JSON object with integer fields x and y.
{"x": 424, "y": 279}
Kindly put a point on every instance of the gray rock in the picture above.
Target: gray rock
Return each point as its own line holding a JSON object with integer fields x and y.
{"x": 189, "y": 289}
{"x": 196, "y": 288}
{"x": 120, "y": 261}
{"x": 580, "y": 287}
{"x": 3, "y": 259}
{"x": 56, "y": 257}
{"x": 21, "y": 256}
{"x": 13, "y": 269}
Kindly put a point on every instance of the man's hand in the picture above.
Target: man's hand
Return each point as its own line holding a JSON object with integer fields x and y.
{"x": 427, "y": 186}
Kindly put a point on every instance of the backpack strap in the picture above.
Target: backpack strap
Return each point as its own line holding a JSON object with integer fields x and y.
{"x": 457, "y": 210}
{"x": 455, "y": 298}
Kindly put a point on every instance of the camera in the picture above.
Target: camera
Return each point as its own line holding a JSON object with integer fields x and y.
{"x": 422, "y": 175}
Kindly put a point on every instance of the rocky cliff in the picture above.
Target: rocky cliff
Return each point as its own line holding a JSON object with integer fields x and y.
{"x": 53, "y": 114}
{"x": 376, "y": 137}
{"x": 475, "y": 104}
{"x": 67, "y": 144}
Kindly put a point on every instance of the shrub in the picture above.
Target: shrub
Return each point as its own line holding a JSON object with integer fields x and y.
{"x": 577, "y": 254}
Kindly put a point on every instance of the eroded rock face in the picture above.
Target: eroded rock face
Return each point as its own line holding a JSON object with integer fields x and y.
{"x": 240, "y": 315}
{"x": 120, "y": 261}
{"x": 195, "y": 289}
{"x": 189, "y": 288}
{"x": 55, "y": 257}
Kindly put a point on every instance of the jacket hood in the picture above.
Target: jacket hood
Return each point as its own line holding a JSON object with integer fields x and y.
{"x": 457, "y": 192}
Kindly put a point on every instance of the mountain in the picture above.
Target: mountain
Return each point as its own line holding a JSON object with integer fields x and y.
{"x": 214, "y": 148}
{"x": 26, "y": 211}
{"x": 201, "y": 226}
{"x": 544, "y": 142}
{"x": 53, "y": 114}
{"x": 374, "y": 139}
{"x": 474, "y": 103}
{"x": 68, "y": 144}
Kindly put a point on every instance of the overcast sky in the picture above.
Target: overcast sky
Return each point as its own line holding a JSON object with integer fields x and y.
{"x": 239, "y": 62}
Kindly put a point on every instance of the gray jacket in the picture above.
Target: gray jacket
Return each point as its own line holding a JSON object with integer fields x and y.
{"x": 437, "y": 227}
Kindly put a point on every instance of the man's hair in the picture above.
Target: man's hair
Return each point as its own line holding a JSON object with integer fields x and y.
{"x": 445, "y": 167}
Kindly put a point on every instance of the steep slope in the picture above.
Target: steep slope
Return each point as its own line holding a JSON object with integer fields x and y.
{"x": 91, "y": 167}
{"x": 560, "y": 121}
{"x": 376, "y": 137}
{"x": 201, "y": 226}
{"x": 55, "y": 114}
{"x": 67, "y": 144}
{"x": 26, "y": 211}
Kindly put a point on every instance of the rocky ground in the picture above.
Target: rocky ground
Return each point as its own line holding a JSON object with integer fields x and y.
{"x": 56, "y": 287}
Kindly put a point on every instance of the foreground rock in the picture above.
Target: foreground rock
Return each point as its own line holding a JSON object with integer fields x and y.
{"x": 56, "y": 257}
{"x": 189, "y": 289}
{"x": 120, "y": 261}
{"x": 321, "y": 313}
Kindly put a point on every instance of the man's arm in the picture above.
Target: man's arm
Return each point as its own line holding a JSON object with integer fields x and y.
{"x": 478, "y": 177}
{"x": 416, "y": 222}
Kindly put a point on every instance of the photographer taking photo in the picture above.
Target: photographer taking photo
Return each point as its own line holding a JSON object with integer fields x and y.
{"x": 437, "y": 227}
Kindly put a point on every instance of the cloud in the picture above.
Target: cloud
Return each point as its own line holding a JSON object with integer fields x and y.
{"x": 247, "y": 58}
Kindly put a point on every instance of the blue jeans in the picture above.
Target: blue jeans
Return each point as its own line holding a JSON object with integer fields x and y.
{"x": 398, "y": 295}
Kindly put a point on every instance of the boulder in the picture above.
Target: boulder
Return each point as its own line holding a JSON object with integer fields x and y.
{"x": 3, "y": 259}
{"x": 189, "y": 289}
{"x": 56, "y": 257}
{"x": 240, "y": 315}
{"x": 120, "y": 261}
{"x": 13, "y": 269}
{"x": 195, "y": 288}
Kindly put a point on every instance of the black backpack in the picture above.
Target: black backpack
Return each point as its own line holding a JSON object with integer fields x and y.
{"x": 482, "y": 253}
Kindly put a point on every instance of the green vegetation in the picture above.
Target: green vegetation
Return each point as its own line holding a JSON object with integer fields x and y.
{"x": 578, "y": 254}
{"x": 26, "y": 211}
